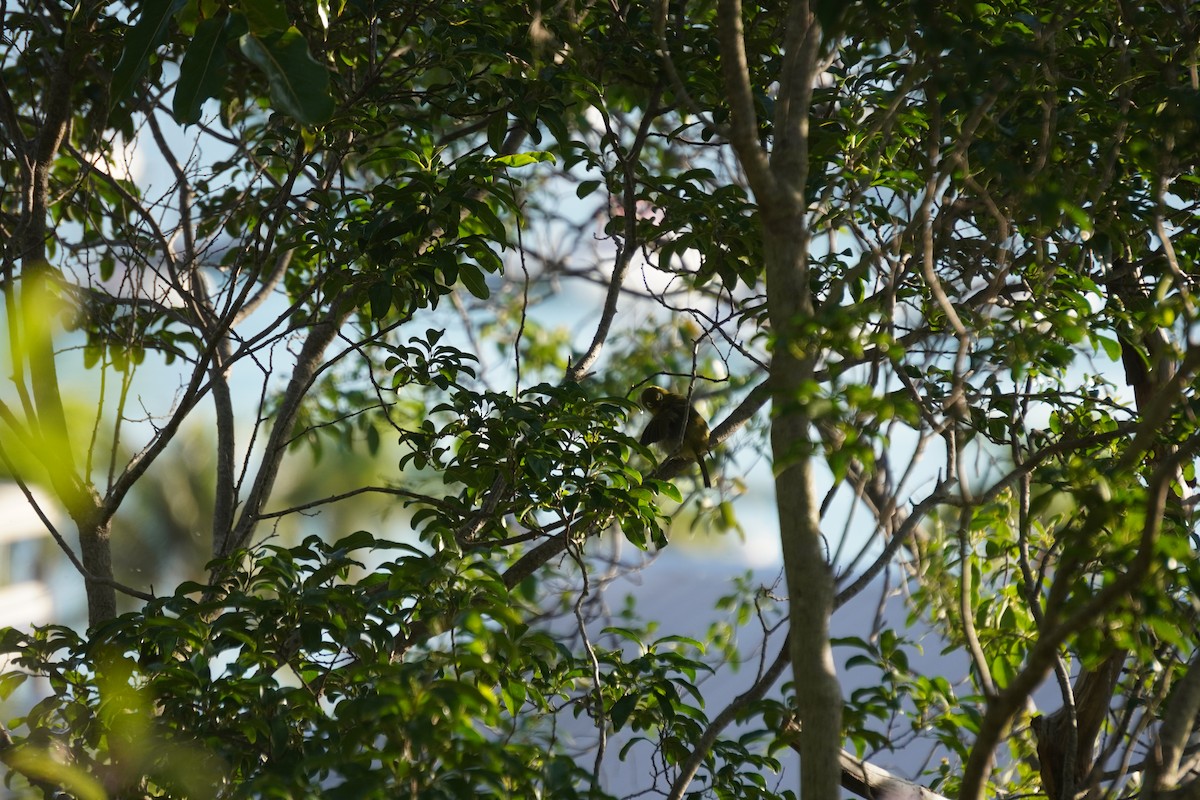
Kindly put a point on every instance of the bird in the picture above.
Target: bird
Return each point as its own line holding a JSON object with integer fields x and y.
{"x": 676, "y": 423}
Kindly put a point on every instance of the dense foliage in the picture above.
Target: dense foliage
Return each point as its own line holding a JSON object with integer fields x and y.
{"x": 934, "y": 261}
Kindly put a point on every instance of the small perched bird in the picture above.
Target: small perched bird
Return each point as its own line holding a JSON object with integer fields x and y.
{"x": 675, "y": 423}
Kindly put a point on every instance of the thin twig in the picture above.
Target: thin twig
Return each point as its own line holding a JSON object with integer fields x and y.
{"x": 597, "y": 684}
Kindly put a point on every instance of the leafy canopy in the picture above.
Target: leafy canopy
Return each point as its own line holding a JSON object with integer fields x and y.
{"x": 960, "y": 270}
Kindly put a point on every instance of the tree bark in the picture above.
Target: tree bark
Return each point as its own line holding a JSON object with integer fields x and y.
{"x": 1059, "y": 747}
{"x": 809, "y": 577}
{"x": 869, "y": 781}
{"x": 308, "y": 363}
{"x": 778, "y": 182}
{"x": 95, "y": 533}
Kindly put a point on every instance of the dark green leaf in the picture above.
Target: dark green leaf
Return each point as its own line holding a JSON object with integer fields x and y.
{"x": 141, "y": 40}
{"x": 202, "y": 73}
{"x": 299, "y": 85}
{"x": 472, "y": 278}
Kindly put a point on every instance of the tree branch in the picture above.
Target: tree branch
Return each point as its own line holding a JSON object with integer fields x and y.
{"x": 744, "y": 121}
{"x": 579, "y": 369}
{"x": 875, "y": 783}
{"x": 1177, "y": 726}
{"x": 756, "y": 692}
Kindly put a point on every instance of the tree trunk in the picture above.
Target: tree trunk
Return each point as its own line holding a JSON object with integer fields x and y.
{"x": 32, "y": 336}
{"x": 809, "y": 577}
{"x": 778, "y": 181}
{"x": 1064, "y": 743}
{"x": 95, "y": 547}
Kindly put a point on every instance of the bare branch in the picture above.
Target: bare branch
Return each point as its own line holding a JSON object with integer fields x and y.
{"x": 874, "y": 783}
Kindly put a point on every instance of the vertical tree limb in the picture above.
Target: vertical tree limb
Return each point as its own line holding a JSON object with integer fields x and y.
{"x": 36, "y": 306}
{"x": 778, "y": 183}
{"x": 1178, "y": 725}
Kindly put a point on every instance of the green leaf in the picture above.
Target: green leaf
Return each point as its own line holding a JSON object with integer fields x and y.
{"x": 670, "y": 490}
{"x": 299, "y": 85}
{"x": 1112, "y": 348}
{"x": 472, "y": 278}
{"x": 380, "y": 297}
{"x": 92, "y": 355}
{"x": 265, "y": 16}
{"x": 497, "y": 130}
{"x": 356, "y": 541}
{"x": 522, "y": 159}
{"x": 486, "y": 217}
{"x": 619, "y": 714}
{"x": 140, "y": 43}
{"x": 9, "y": 682}
{"x": 202, "y": 73}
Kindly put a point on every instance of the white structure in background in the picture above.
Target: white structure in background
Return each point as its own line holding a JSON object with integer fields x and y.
{"x": 25, "y": 598}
